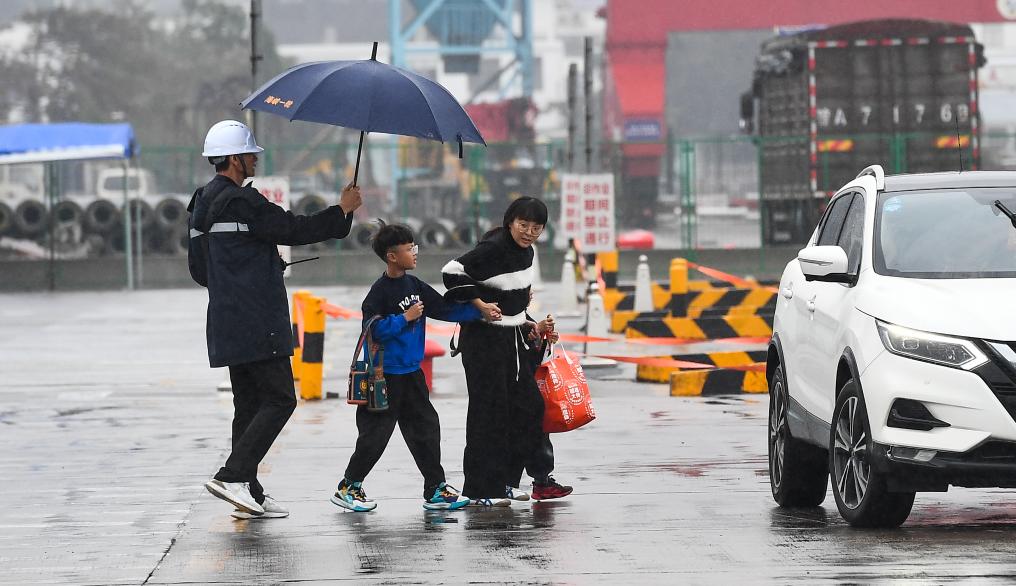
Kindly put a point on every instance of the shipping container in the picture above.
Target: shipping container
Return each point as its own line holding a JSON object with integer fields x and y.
{"x": 827, "y": 103}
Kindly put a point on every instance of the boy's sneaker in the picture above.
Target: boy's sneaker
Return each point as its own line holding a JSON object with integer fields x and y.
{"x": 273, "y": 510}
{"x": 549, "y": 489}
{"x": 350, "y": 496}
{"x": 445, "y": 498}
{"x": 235, "y": 493}
{"x": 515, "y": 494}
{"x": 490, "y": 503}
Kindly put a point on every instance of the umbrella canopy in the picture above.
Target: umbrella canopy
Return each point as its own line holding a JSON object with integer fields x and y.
{"x": 366, "y": 95}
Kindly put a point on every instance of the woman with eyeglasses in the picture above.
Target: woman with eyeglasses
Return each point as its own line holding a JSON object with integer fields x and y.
{"x": 504, "y": 421}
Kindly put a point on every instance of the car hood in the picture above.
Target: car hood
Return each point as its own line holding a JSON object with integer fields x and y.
{"x": 975, "y": 308}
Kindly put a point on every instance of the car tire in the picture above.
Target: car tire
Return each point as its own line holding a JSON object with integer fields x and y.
{"x": 798, "y": 471}
{"x": 860, "y": 490}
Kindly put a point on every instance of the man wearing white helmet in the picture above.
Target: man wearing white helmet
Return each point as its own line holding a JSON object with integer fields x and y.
{"x": 233, "y": 253}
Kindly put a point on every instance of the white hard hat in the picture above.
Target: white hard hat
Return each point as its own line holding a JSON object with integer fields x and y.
{"x": 229, "y": 137}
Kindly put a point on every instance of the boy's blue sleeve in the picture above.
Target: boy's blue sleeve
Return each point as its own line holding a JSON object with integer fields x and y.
{"x": 389, "y": 327}
{"x": 437, "y": 307}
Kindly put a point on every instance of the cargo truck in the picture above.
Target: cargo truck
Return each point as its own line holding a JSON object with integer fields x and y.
{"x": 825, "y": 103}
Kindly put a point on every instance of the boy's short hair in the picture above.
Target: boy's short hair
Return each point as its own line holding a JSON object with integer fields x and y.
{"x": 390, "y": 235}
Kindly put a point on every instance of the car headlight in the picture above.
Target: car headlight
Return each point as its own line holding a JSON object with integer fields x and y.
{"x": 944, "y": 350}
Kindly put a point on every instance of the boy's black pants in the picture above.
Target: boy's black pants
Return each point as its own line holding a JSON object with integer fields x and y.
{"x": 263, "y": 400}
{"x": 409, "y": 406}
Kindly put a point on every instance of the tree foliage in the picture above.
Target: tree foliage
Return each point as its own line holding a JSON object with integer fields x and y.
{"x": 170, "y": 77}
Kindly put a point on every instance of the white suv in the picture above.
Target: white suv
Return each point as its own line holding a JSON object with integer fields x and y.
{"x": 892, "y": 365}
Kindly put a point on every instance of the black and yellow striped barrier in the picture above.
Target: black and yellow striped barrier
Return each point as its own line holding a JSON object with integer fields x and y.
{"x": 707, "y": 328}
{"x": 660, "y": 293}
{"x": 312, "y": 368}
{"x": 661, "y": 374}
{"x": 730, "y": 301}
{"x": 720, "y": 381}
{"x": 296, "y": 317}
{"x": 678, "y": 289}
{"x": 606, "y": 275}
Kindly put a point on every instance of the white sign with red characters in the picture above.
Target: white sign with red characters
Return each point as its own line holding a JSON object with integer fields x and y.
{"x": 275, "y": 188}
{"x": 598, "y": 233}
{"x": 571, "y": 209}
{"x": 587, "y": 211}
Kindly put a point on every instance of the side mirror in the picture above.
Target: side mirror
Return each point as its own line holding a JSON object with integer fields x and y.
{"x": 824, "y": 263}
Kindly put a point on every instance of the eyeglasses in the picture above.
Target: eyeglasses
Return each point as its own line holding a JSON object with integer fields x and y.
{"x": 411, "y": 250}
{"x": 534, "y": 229}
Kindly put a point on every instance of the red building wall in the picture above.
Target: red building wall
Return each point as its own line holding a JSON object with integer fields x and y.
{"x": 637, "y": 41}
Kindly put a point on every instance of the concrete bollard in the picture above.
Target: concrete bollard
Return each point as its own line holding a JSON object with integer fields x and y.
{"x": 643, "y": 286}
{"x": 568, "y": 304}
{"x": 313, "y": 348}
{"x": 597, "y": 322}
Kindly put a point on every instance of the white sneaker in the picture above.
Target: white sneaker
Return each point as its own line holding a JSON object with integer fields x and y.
{"x": 515, "y": 494}
{"x": 236, "y": 493}
{"x": 498, "y": 502}
{"x": 273, "y": 510}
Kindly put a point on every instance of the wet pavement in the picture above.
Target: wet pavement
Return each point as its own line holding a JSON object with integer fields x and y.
{"x": 110, "y": 424}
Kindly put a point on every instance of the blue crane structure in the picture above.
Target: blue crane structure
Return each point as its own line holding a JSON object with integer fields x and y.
{"x": 461, "y": 28}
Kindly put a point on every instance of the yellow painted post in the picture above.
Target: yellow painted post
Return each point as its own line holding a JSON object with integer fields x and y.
{"x": 678, "y": 287}
{"x": 608, "y": 265}
{"x": 313, "y": 348}
{"x": 296, "y": 317}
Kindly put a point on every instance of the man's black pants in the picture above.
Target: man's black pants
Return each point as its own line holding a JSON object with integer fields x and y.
{"x": 263, "y": 400}
{"x": 409, "y": 406}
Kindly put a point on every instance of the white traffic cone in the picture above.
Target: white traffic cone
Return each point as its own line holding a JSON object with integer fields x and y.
{"x": 643, "y": 286}
{"x": 537, "y": 279}
{"x": 597, "y": 322}
{"x": 568, "y": 304}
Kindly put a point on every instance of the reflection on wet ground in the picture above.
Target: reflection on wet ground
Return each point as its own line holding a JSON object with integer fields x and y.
{"x": 103, "y": 471}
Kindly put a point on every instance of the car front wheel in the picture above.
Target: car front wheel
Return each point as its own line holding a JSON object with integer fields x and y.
{"x": 860, "y": 490}
{"x": 798, "y": 472}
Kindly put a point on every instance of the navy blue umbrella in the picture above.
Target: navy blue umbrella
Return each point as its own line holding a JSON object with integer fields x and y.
{"x": 368, "y": 96}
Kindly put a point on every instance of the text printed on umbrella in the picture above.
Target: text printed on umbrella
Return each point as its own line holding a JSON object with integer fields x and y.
{"x": 272, "y": 100}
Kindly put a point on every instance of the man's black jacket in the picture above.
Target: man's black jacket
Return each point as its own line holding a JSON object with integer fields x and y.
{"x": 248, "y": 311}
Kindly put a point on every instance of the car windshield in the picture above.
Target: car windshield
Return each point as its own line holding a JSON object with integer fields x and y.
{"x": 945, "y": 234}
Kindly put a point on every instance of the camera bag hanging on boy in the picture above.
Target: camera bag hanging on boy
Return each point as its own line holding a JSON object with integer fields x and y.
{"x": 366, "y": 381}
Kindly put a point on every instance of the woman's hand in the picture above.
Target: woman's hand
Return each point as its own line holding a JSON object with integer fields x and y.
{"x": 490, "y": 311}
{"x": 545, "y": 329}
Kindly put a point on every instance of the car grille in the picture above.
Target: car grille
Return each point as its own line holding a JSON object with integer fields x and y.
{"x": 1000, "y": 372}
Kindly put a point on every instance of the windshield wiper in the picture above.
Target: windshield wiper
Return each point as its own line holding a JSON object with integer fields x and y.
{"x": 1008, "y": 213}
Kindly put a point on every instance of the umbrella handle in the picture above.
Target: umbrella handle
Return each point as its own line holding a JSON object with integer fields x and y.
{"x": 359, "y": 149}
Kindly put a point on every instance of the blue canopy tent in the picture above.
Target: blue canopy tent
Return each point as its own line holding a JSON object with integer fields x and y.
{"x": 72, "y": 141}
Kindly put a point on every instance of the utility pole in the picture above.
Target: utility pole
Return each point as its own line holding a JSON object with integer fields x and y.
{"x": 573, "y": 81}
{"x": 588, "y": 75}
{"x": 255, "y": 15}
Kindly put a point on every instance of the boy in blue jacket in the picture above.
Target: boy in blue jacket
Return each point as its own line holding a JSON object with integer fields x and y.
{"x": 404, "y": 302}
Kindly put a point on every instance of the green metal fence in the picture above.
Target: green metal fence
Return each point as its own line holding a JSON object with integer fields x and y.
{"x": 730, "y": 192}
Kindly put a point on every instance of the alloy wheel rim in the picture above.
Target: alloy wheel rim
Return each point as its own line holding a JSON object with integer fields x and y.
{"x": 850, "y": 454}
{"x": 777, "y": 433}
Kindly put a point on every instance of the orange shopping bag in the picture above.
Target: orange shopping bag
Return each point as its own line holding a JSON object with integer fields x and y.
{"x": 567, "y": 404}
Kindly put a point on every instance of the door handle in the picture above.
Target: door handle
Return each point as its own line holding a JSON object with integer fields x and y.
{"x": 787, "y": 292}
